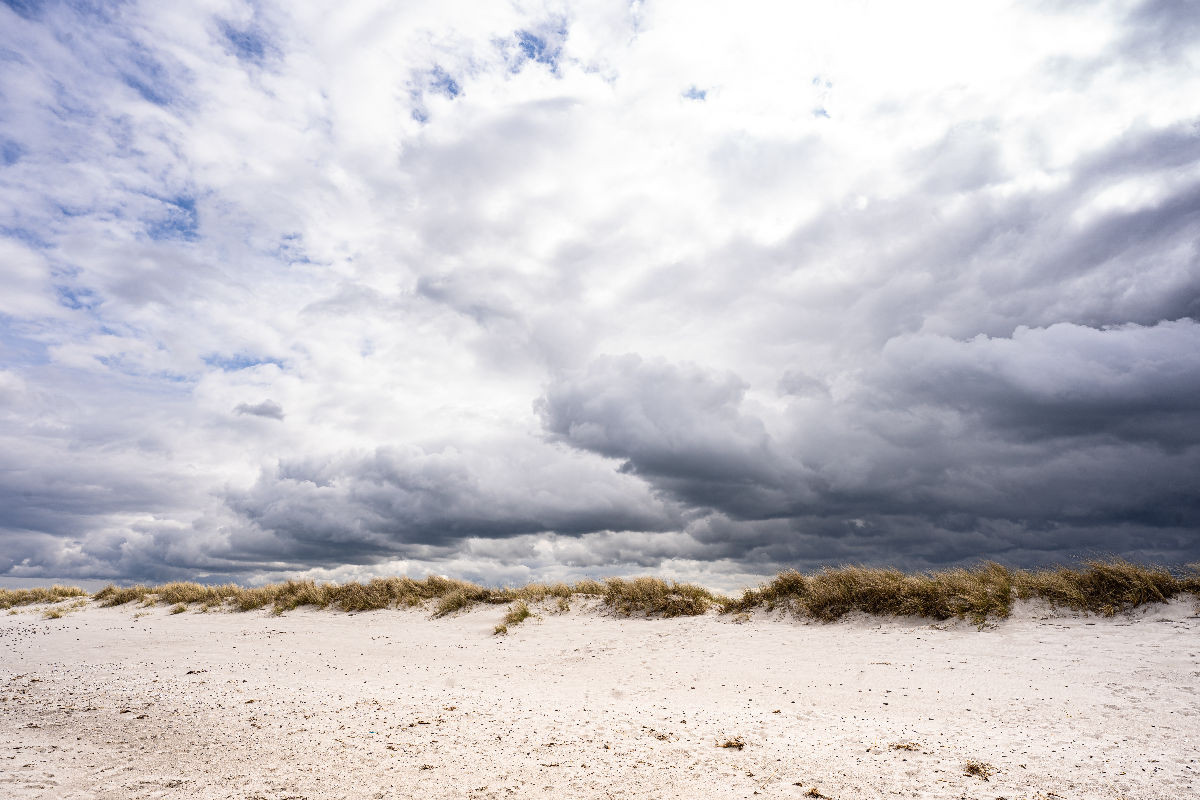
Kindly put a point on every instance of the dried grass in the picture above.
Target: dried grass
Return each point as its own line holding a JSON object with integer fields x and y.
{"x": 518, "y": 612}
{"x": 977, "y": 594}
{"x": 979, "y": 769}
{"x": 656, "y": 597}
{"x": 24, "y": 597}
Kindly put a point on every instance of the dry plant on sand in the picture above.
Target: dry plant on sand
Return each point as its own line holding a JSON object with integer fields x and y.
{"x": 735, "y": 743}
{"x": 517, "y": 613}
{"x": 979, "y": 769}
{"x": 647, "y": 596}
{"x": 25, "y": 597}
{"x": 977, "y": 594}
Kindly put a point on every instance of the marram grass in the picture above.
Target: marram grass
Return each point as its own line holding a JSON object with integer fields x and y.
{"x": 977, "y": 594}
{"x": 25, "y": 597}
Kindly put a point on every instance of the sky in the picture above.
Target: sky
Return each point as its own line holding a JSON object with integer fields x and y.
{"x": 513, "y": 291}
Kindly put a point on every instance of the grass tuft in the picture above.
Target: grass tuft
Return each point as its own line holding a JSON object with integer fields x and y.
{"x": 518, "y": 612}
{"x": 656, "y": 597}
{"x": 979, "y": 769}
{"x": 24, "y": 597}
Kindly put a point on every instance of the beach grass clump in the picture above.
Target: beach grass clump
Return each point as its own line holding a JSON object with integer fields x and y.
{"x": 656, "y": 597}
{"x": 1190, "y": 579}
{"x": 589, "y": 587}
{"x": 120, "y": 595}
{"x": 10, "y": 598}
{"x": 188, "y": 593}
{"x": 1103, "y": 587}
{"x": 518, "y": 612}
{"x": 977, "y": 594}
{"x": 465, "y": 596}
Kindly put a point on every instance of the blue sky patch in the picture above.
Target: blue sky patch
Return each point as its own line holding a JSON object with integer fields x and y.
{"x": 545, "y": 48}
{"x": 29, "y": 9}
{"x": 10, "y": 151}
{"x": 25, "y": 235}
{"x": 148, "y": 77}
{"x": 248, "y": 44}
{"x": 238, "y": 361}
{"x": 77, "y": 299}
{"x": 441, "y": 82}
{"x": 695, "y": 93}
{"x": 180, "y": 221}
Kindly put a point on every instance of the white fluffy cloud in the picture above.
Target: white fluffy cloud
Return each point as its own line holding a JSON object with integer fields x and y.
{"x": 551, "y": 289}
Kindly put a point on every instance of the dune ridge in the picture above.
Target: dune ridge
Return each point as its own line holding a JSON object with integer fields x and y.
{"x": 978, "y": 594}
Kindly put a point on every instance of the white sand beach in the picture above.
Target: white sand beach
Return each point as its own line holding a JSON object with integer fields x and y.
{"x": 139, "y": 703}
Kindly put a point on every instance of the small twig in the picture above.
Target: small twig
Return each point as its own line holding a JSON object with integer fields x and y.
{"x": 768, "y": 780}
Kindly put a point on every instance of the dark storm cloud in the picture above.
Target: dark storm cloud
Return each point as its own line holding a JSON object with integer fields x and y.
{"x": 679, "y": 427}
{"x": 1128, "y": 383}
{"x": 1046, "y": 441}
{"x": 267, "y": 408}
{"x": 393, "y": 501}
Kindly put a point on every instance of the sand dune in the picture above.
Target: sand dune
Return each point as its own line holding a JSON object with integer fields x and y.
{"x": 140, "y": 703}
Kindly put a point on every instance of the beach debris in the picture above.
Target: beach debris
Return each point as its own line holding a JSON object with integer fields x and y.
{"x": 979, "y": 769}
{"x": 736, "y": 743}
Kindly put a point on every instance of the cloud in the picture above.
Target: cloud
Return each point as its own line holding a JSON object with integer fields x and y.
{"x": 565, "y": 289}
{"x": 1126, "y": 383}
{"x": 1081, "y": 433}
{"x": 267, "y": 408}
{"x": 679, "y": 427}
{"x": 395, "y": 501}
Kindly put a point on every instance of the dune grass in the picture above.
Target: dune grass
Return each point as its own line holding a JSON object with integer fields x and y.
{"x": 978, "y": 594}
{"x": 647, "y": 596}
{"x": 518, "y": 612}
{"x": 24, "y": 597}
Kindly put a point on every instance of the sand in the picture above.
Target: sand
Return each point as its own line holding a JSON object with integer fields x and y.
{"x": 139, "y": 703}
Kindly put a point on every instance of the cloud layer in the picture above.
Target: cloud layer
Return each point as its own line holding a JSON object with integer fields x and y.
{"x": 545, "y": 290}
